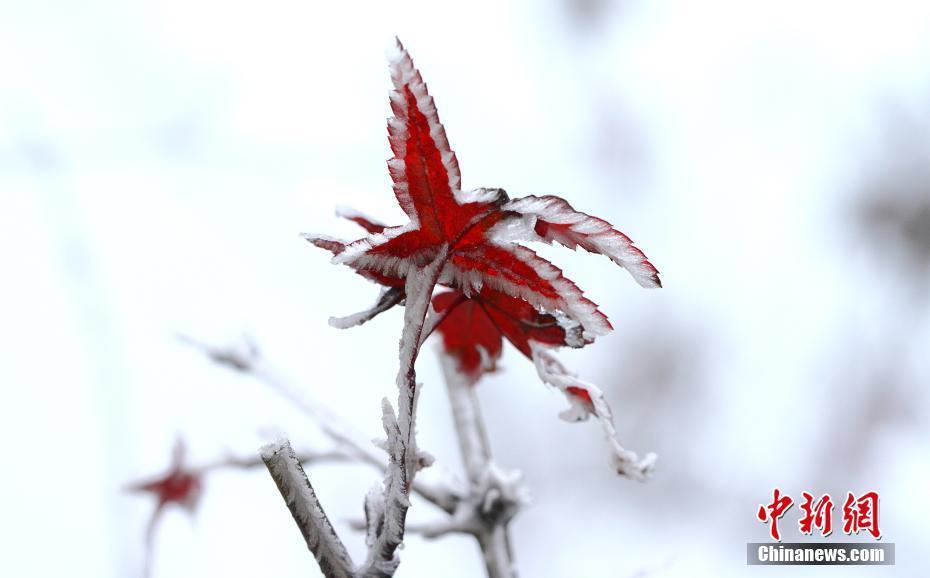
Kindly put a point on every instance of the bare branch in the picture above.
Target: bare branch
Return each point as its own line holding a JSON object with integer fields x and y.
{"x": 301, "y": 500}
{"x": 254, "y": 461}
{"x": 245, "y": 358}
{"x": 495, "y": 497}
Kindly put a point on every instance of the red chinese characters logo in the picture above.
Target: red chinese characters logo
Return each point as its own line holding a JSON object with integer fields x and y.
{"x": 859, "y": 514}
{"x": 816, "y": 514}
{"x": 773, "y": 511}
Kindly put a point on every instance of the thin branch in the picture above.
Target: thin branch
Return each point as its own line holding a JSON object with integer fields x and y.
{"x": 247, "y": 359}
{"x": 389, "y": 297}
{"x": 254, "y": 461}
{"x": 387, "y": 530}
{"x": 495, "y": 498}
{"x": 588, "y": 400}
{"x": 301, "y": 500}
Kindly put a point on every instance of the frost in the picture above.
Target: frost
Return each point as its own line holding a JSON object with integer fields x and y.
{"x": 519, "y": 271}
{"x": 554, "y": 220}
{"x": 302, "y": 501}
{"x": 331, "y": 244}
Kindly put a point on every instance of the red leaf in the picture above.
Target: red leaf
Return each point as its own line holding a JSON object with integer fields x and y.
{"x": 521, "y": 323}
{"x": 473, "y": 329}
{"x": 520, "y": 272}
{"x": 476, "y": 230}
{"x": 361, "y": 220}
{"x": 556, "y": 221}
{"x": 468, "y": 334}
{"x": 582, "y": 394}
{"x": 424, "y": 168}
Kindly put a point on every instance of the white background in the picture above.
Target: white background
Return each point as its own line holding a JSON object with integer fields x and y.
{"x": 158, "y": 160}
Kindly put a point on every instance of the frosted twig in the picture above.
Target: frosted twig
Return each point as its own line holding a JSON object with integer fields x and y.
{"x": 587, "y": 399}
{"x": 495, "y": 497}
{"x": 387, "y": 514}
{"x": 389, "y": 297}
{"x": 254, "y": 461}
{"x": 301, "y": 500}
{"x": 246, "y": 358}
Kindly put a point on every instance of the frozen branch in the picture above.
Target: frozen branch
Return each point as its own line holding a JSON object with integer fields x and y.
{"x": 254, "y": 461}
{"x": 246, "y": 358}
{"x": 587, "y": 400}
{"x": 389, "y": 297}
{"x": 301, "y": 500}
{"x": 387, "y": 514}
{"x": 495, "y": 497}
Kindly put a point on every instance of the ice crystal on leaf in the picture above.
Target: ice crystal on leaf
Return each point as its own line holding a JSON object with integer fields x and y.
{"x": 499, "y": 287}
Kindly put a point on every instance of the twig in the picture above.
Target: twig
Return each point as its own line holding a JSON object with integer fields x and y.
{"x": 587, "y": 400}
{"x": 387, "y": 515}
{"x": 301, "y": 500}
{"x": 254, "y": 461}
{"x": 247, "y": 359}
{"x": 389, "y": 297}
{"x": 495, "y": 498}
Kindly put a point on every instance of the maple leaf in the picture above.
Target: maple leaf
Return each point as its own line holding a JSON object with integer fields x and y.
{"x": 478, "y": 229}
{"x": 470, "y": 242}
{"x": 180, "y": 485}
{"x": 473, "y": 328}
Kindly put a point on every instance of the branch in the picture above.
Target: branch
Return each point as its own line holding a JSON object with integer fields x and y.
{"x": 246, "y": 358}
{"x": 254, "y": 461}
{"x": 301, "y": 500}
{"x": 495, "y": 497}
{"x": 387, "y": 514}
{"x": 389, "y": 297}
{"x": 587, "y": 400}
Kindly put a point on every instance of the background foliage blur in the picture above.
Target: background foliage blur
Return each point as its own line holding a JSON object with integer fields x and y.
{"x": 158, "y": 159}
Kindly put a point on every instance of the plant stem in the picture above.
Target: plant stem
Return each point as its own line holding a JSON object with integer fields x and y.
{"x": 305, "y": 507}
{"x": 493, "y": 534}
{"x": 386, "y": 528}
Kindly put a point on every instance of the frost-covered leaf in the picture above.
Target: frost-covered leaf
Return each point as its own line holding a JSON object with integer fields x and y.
{"x": 517, "y": 271}
{"x": 473, "y": 327}
{"x": 554, "y": 220}
{"x": 477, "y": 229}
{"x": 362, "y": 220}
{"x": 468, "y": 334}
